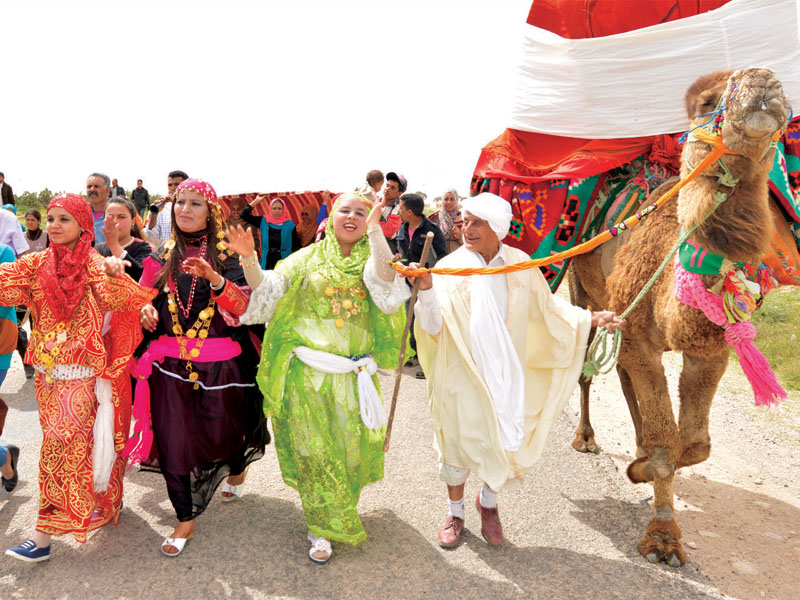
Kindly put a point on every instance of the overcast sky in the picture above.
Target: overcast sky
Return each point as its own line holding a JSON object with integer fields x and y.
{"x": 254, "y": 96}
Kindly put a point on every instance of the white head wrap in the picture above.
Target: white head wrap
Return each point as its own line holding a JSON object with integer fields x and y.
{"x": 491, "y": 208}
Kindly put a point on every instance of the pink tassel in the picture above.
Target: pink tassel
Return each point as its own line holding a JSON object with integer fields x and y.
{"x": 689, "y": 290}
{"x": 139, "y": 444}
{"x": 756, "y": 367}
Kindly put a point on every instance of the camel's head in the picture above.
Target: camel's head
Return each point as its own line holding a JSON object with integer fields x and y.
{"x": 757, "y": 108}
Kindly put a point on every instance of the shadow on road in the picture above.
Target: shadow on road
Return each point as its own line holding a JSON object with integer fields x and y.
{"x": 738, "y": 535}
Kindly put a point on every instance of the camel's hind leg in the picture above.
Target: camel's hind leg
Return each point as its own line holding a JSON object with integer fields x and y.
{"x": 699, "y": 379}
{"x": 661, "y": 444}
{"x": 584, "y": 435}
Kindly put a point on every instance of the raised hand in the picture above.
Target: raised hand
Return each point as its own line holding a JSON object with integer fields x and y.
{"x": 115, "y": 267}
{"x": 374, "y": 216}
{"x": 241, "y": 241}
{"x": 200, "y": 267}
{"x": 260, "y": 198}
{"x": 111, "y": 231}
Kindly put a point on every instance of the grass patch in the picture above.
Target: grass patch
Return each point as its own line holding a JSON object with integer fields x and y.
{"x": 778, "y": 324}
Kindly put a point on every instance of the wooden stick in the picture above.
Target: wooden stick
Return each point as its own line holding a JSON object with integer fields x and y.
{"x": 409, "y": 314}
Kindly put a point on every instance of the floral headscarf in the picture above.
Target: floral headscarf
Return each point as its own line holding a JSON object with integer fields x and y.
{"x": 63, "y": 273}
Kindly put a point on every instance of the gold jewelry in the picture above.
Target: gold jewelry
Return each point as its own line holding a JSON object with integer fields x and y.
{"x": 198, "y": 330}
{"x": 248, "y": 263}
{"x": 46, "y": 352}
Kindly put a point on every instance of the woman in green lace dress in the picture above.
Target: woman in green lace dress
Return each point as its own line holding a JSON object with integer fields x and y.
{"x": 335, "y": 313}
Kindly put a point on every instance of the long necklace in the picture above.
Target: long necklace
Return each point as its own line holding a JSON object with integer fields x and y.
{"x": 199, "y": 330}
{"x": 186, "y": 309}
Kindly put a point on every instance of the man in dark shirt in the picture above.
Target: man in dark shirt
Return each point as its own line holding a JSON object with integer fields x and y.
{"x": 411, "y": 240}
{"x": 141, "y": 198}
{"x": 6, "y": 192}
{"x": 411, "y": 237}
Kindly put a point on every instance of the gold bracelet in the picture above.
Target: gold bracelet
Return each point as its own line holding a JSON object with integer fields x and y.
{"x": 251, "y": 263}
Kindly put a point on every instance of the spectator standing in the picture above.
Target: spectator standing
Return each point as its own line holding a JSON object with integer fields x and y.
{"x": 448, "y": 220}
{"x": 98, "y": 187}
{"x": 6, "y": 193}
{"x": 117, "y": 191}
{"x": 159, "y": 226}
{"x": 123, "y": 237}
{"x": 411, "y": 240}
{"x": 307, "y": 227}
{"x": 35, "y": 235}
{"x": 278, "y": 234}
{"x": 140, "y": 198}
{"x": 390, "y": 207}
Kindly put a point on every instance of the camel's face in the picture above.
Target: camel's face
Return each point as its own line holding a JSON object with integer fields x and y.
{"x": 757, "y": 106}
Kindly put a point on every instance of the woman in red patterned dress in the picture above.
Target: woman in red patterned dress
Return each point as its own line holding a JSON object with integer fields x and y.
{"x": 69, "y": 288}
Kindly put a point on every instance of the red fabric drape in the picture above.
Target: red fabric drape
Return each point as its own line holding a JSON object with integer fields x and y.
{"x": 578, "y": 19}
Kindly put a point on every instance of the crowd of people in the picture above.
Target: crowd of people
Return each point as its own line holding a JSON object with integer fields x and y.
{"x": 203, "y": 320}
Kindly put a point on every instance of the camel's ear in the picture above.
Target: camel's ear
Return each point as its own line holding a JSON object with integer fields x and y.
{"x": 703, "y": 95}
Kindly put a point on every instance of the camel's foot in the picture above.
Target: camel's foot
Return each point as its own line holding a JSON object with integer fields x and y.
{"x": 640, "y": 471}
{"x": 661, "y": 543}
{"x": 694, "y": 453}
{"x": 584, "y": 440}
{"x": 645, "y": 468}
{"x": 640, "y": 452}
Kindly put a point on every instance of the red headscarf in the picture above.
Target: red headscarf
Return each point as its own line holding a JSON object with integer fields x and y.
{"x": 284, "y": 215}
{"x": 64, "y": 271}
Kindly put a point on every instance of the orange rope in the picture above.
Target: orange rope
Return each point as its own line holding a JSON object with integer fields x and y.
{"x": 717, "y": 150}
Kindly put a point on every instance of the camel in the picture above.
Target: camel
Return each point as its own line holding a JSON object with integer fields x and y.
{"x": 757, "y": 112}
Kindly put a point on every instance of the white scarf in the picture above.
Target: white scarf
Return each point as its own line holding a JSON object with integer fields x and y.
{"x": 496, "y": 358}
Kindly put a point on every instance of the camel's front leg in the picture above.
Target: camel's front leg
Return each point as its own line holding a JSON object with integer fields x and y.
{"x": 661, "y": 445}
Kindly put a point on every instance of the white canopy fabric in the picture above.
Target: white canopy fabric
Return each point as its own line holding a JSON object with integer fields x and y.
{"x": 632, "y": 84}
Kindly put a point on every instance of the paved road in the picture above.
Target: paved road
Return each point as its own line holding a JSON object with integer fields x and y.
{"x": 570, "y": 532}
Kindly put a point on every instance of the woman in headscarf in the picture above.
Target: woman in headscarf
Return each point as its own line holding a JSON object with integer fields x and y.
{"x": 307, "y": 228}
{"x": 335, "y": 314}
{"x": 278, "y": 234}
{"x": 34, "y": 234}
{"x": 449, "y": 220}
{"x": 200, "y": 366}
{"x": 69, "y": 288}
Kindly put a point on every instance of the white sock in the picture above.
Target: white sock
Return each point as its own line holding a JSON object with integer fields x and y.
{"x": 457, "y": 508}
{"x": 488, "y": 497}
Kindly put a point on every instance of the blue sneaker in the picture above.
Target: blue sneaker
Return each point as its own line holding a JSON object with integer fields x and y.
{"x": 28, "y": 552}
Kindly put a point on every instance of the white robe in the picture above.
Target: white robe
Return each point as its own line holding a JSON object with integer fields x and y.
{"x": 549, "y": 336}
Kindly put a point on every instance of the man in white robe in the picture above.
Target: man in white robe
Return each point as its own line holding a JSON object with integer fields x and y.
{"x": 502, "y": 355}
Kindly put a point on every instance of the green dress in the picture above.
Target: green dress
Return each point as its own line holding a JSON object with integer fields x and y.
{"x": 326, "y": 302}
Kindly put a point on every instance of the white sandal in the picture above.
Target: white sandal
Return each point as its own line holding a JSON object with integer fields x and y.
{"x": 178, "y": 543}
{"x": 234, "y": 490}
{"x": 319, "y": 544}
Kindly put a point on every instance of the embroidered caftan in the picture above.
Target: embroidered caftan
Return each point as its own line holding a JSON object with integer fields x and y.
{"x": 68, "y": 357}
{"x": 325, "y": 450}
